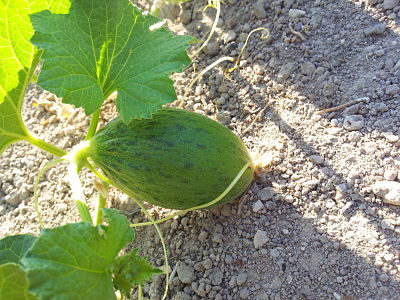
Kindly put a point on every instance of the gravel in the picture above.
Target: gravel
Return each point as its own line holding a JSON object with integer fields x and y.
{"x": 322, "y": 222}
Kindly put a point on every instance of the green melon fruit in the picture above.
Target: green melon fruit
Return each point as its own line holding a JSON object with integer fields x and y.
{"x": 177, "y": 159}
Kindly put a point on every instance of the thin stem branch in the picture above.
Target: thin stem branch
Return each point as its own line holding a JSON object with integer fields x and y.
{"x": 225, "y": 58}
{"x": 36, "y": 188}
{"x": 181, "y": 212}
{"x": 98, "y": 174}
{"x": 102, "y": 188}
{"x": 362, "y": 99}
{"x": 45, "y": 146}
{"x": 217, "y": 6}
{"x": 93, "y": 124}
{"x": 140, "y": 293}
{"x": 77, "y": 192}
{"x": 153, "y": 222}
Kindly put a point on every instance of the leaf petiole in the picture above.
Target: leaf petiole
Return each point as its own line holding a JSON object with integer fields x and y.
{"x": 83, "y": 211}
{"x": 93, "y": 124}
{"x": 45, "y": 146}
{"x": 77, "y": 192}
{"x": 102, "y": 188}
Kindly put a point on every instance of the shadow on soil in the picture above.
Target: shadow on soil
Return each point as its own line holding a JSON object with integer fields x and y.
{"x": 299, "y": 257}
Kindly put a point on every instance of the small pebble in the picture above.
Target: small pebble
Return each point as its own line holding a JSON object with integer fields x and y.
{"x": 211, "y": 49}
{"x": 202, "y": 236}
{"x": 389, "y": 191}
{"x": 182, "y": 296}
{"x": 392, "y": 90}
{"x": 375, "y": 29}
{"x": 216, "y": 276}
{"x": 260, "y": 239}
{"x": 383, "y": 277}
{"x": 389, "y": 4}
{"x": 223, "y": 117}
{"x": 285, "y": 71}
{"x": 62, "y": 208}
{"x": 353, "y": 122}
{"x": 308, "y": 68}
{"x": 257, "y": 206}
{"x": 229, "y": 36}
{"x": 316, "y": 159}
{"x": 296, "y": 13}
{"x": 390, "y": 174}
{"x": 241, "y": 279}
{"x": 244, "y": 293}
{"x": 185, "y": 273}
{"x": 13, "y": 199}
{"x": 259, "y": 9}
{"x": 266, "y": 193}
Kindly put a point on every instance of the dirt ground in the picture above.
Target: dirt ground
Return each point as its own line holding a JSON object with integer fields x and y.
{"x": 324, "y": 221}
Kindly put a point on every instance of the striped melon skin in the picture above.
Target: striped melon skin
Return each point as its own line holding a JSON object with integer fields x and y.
{"x": 177, "y": 159}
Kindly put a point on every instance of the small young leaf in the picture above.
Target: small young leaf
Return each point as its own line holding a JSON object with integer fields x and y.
{"x": 73, "y": 261}
{"x": 129, "y": 270}
{"x": 14, "y": 283}
{"x": 18, "y": 59}
{"x": 13, "y": 248}
{"x": 103, "y": 46}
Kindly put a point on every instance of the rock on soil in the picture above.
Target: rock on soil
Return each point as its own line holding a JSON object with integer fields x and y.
{"x": 388, "y": 190}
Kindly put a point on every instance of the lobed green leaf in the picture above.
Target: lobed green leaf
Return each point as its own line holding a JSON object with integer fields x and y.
{"x": 131, "y": 269}
{"x": 18, "y": 59}
{"x": 13, "y": 248}
{"x": 14, "y": 283}
{"x": 73, "y": 261}
{"x": 103, "y": 46}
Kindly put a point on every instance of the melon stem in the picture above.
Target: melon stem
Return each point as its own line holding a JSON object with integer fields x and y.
{"x": 77, "y": 192}
{"x": 93, "y": 125}
{"x": 102, "y": 189}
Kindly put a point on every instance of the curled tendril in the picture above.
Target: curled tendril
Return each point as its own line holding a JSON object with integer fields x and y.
{"x": 263, "y": 36}
{"x": 209, "y": 5}
{"x": 181, "y": 212}
{"x": 164, "y": 247}
{"x": 216, "y": 4}
{"x": 187, "y": 90}
{"x": 36, "y": 187}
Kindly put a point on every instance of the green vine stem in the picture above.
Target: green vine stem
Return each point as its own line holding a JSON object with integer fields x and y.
{"x": 164, "y": 246}
{"x": 102, "y": 188}
{"x": 140, "y": 293}
{"x": 93, "y": 125}
{"x": 27, "y": 135}
{"x": 77, "y": 192}
{"x": 45, "y": 146}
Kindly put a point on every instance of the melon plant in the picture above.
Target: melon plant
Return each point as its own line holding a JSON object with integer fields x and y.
{"x": 90, "y": 49}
